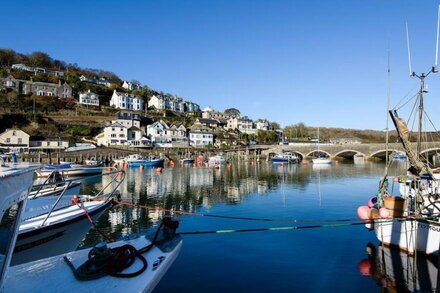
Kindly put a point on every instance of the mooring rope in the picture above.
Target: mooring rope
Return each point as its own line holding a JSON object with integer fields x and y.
{"x": 235, "y": 217}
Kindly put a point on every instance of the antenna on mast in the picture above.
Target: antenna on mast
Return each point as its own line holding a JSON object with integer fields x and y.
{"x": 411, "y": 73}
{"x": 434, "y": 69}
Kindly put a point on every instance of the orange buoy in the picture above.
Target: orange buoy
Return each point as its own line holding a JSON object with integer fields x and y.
{"x": 365, "y": 267}
{"x": 363, "y": 212}
{"x": 141, "y": 167}
{"x": 159, "y": 170}
{"x": 384, "y": 213}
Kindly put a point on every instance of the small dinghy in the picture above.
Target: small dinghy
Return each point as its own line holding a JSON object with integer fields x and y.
{"x": 53, "y": 225}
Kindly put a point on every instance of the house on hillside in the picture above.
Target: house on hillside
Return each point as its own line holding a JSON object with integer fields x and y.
{"x": 126, "y": 101}
{"x": 130, "y": 86}
{"x": 26, "y": 87}
{"x": 36, "y": 69}
{"x": 243, "y": 124}
{"x": 89, "y": 98}
{"x": 125, "y": 130}
{"x": 200, "y": 136}
{"x": 101, "y": 81}
{"x": 172, "y": 103}
{"x": 14, "y": 140}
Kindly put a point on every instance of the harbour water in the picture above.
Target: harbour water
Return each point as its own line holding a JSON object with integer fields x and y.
{"x": 302, "y": 260}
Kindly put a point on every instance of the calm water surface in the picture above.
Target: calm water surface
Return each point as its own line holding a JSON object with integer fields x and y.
{"x": 307, "y": 260}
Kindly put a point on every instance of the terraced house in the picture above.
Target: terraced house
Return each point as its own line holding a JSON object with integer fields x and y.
{"x": 27, "y": 87}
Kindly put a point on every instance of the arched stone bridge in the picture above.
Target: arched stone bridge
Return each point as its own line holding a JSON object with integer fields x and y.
{"x": 346, "y": 151}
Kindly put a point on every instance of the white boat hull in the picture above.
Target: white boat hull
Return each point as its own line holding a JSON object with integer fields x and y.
{"x": 58, "y": 277}
{"x": 322, "y": 161}
{"x": 71, "y": 172}
{"x": 62, "y": 232}
{"x": 409, "y": 235}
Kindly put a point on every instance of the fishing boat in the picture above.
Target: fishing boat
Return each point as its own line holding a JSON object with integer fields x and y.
{"x": 136, "y": 160}
{"x": 321, "y": 159}
{"x": 285, "y": 158}
{"x": 68, "y": 170}
{"x": 217, "y": 160}
{"x": 411, "y": 219}
{"x": 53, "y": 225}
{"x": 139, "y": 268}
{"x": 93, "y": 162}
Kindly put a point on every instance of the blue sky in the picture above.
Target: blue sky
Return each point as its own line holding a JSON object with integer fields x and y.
{"x": 323, "y": 63}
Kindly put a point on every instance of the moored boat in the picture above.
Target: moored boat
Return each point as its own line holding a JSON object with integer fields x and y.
{"x": 141, "y": 267}
{"x": 217, "y": 160}
{"x": 53, "y": 225}
{"x": 68, "y": 170}
{"x": 285, "y": 158}
{"x": 186, "y": 161}
{"x": 410, "y": 220}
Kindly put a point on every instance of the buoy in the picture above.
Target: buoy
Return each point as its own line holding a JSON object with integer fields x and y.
{"x": 369, "y": 226}
{"x": 396, "y": 179}
{"x": 365, "y": 267}
{"x": 141, "y": 167}
{"x": 372, "y": 202}
{"x": 363, "y": 212}
{"x": 384, "y": 213}
{"x": 159, "y": 170}
{"x": 120, "y": 173}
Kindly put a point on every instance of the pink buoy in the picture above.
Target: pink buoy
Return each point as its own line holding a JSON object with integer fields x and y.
{"x": 363, "y": 212}
{"x": 384, "y": 213}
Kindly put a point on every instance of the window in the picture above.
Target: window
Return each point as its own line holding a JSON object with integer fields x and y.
{"x": 8, "y": 140}
{"x": 113, "y": 135}
{"x": 14, "y": 133}
{"x": 20, "y": 140}
{"x": 113, "y": 129}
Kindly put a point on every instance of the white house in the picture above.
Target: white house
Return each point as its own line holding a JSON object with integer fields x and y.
{"x": 15, "y": 140}
{"x": 243, "y": 124}
{"x": 126, "y": 101}
{"x": 200, "y": 136}
{"x": 89, "y": 98}
{"x": 172, "y": 103}
{"x": 262, "y": 124}
{"x": 118, "y": 134}
{"x": 157, "y": 132}
{"x": 130, "y": 85}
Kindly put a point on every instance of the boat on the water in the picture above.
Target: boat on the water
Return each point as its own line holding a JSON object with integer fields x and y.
{"x": 136, "y": 160}
{"x": 217, "y": 160}
{"x": 409, "y": 220}
{"x": 321, "y": 159}
{"x": 130, "y": 265}
{"x": 68, "y": 170}
{"x": 53, "y": 225}
{"x": 186, "y": 161}
{"x": 285, "y": 158}
{"x": 93, "y": 162}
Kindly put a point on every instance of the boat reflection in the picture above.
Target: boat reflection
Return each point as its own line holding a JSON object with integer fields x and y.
{"x": 396, "y": 271}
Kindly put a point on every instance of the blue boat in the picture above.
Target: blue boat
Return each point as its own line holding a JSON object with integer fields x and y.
{"x": 187, "y": 161}
{"x": 285, "y": 158}
{"x": 147, "y": 163}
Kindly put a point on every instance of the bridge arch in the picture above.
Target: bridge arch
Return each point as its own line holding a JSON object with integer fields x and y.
{"x": 316, "y": 153}
{"x": 348, "y": 154}
{"x": 381, "y": 154}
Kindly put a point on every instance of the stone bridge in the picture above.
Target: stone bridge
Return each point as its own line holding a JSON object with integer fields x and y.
{"x": 346, "y": 151}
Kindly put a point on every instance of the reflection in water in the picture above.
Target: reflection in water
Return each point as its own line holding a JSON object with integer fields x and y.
{"x": 396, "y": 271}
{"x": 192, "y": 189}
